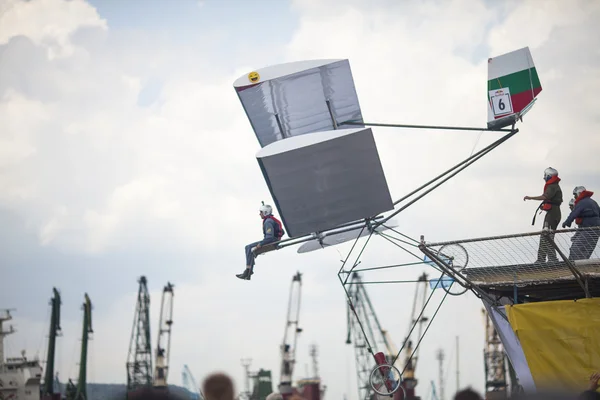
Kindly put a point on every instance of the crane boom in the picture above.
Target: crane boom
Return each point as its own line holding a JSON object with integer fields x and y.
{"x": 379, "y": 339}
{"x": 288, "y": 351}
{"x": 164, "y": 329}
{"x": 189, "y": 383}
{"x": 376, "y": 336}
{"x": 417, "y": 319}
{"x": 49, "y": 386}
{"x": 79, "y": 392}
{"x": 139, "y": 358}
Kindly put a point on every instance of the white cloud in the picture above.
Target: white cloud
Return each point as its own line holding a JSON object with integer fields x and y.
{"x": 111, "y": 165}
{"x": 47, "y": 22}
{"x": 90, "y": 171}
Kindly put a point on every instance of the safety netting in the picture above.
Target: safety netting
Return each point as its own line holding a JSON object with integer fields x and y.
{"x": 521, "y": 259}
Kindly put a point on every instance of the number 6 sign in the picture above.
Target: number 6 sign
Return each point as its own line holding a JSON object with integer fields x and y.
{"x": 500, "y": 101}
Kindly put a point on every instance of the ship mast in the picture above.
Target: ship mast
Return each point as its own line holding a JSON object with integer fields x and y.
{"x": 3, "y": 333}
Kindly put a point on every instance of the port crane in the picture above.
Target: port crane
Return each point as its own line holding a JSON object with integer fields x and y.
{"x": 379, "y": 338}
{"x": 496, "y": 386}
{"x": 290, "y": 338}
{"x": 79, "y": 392}
{"x": 161, "y": 370}
{"x": 140, "y": 372}
{"x": 189, "y": 383}
{"x": 50, "y": 386}
{"x": 139, "y": 358}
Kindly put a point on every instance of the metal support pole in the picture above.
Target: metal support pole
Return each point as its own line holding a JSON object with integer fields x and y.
{"x": 458, "y": 167}
{"x": 305, "y": 238}
{"x": 452, "y": 128}
{"x": 515, "y": 295}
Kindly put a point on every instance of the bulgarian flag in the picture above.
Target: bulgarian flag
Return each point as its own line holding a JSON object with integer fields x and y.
{"x": 513, "y": 83}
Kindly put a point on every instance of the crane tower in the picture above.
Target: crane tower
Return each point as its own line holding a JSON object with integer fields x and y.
{"x": 494, "y": 363}
{"x": 440, "y": 358}
{"x": 164, "y": 337}
{"x": 139, "y": 359}
{"x": 290, "y": 337}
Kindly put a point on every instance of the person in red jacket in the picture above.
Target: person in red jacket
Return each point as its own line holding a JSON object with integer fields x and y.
{"x": 551, "y": 201}
{"x": 272, "y": 231}
{"x": 586, "y": 214}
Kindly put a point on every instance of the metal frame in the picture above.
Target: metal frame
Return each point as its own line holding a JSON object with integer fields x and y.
{"x": 373, "y": 222}
{"x": 450, "y": 173}
{"x": 579, "y": 277}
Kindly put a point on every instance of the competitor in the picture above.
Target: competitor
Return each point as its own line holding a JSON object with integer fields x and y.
{"x": 575, "y": 238}
{"x": 586, "y": 214}
{"x": 551, "y": 201}
{"x": 571, "y": 205}
{"x": 273, "y": 232}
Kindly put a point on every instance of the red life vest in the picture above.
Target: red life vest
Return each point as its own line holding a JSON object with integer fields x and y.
{"x": 280, "y": 232}
{"x": 582, "y": 195}
{"x": 547, "y": 205}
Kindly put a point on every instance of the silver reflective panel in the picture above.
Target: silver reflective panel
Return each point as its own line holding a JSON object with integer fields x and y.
{"x": 325, "y": 179}
{"x": 334, "y": 238}
{"x": 297, "y": 98}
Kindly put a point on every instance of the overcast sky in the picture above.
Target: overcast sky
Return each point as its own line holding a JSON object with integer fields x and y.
{"x": 124, "y": 151}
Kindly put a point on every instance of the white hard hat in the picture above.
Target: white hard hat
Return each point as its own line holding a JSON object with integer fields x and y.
{"x": 266, "y": 209}
{"x": 572, "y": 203}
{"x": 577, "y": 191}
{"x": 549, "y": 173}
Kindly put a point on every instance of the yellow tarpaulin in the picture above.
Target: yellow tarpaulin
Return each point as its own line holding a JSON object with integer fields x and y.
{"x": 560, "y": 339}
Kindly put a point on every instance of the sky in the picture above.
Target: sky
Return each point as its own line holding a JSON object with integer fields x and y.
{"x": 124, "y": 151}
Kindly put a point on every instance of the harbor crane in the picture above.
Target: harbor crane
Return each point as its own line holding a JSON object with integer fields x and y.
{"x": 379, "y": 338}
{"x": 139, "y": 359}
{"x": 161, "y": 370}
{"x": 79, "y": 391}
{"x": 290, "y": 337}
{"x": 496, "y": 387}
{"x": 140, "y": 373}
{"x": 50, "y": 389}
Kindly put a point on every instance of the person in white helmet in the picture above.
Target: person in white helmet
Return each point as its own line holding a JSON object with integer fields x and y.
{"x": 571, "y": 205}
{"x": 586, "y": 214}
{"x": 551, "y": 200}
{"x": 272, "y": 231}
{"x": 575, "y": 237}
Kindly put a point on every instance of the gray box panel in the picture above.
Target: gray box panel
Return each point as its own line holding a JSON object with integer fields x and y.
{"x": 318, "y": 186}
{"x": 300, "y": 102}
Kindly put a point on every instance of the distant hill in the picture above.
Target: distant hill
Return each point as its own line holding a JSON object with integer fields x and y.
{"x": 113, "y": 391}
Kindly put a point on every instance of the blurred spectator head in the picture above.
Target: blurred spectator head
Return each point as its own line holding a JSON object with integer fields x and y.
{"x": 467, "y": 394}
{"x": 218, "y": 386}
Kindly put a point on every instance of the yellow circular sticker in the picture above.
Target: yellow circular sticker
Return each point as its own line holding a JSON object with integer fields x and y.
{"x": 253, "y": 77}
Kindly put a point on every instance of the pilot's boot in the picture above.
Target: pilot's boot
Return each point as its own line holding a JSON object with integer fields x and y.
{"x": 244, "y": 275}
